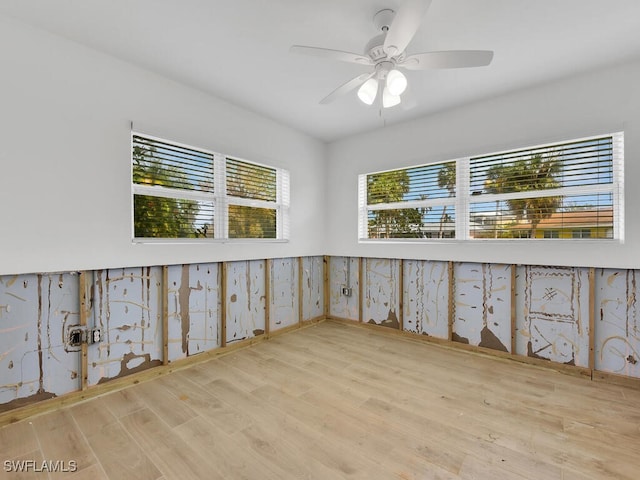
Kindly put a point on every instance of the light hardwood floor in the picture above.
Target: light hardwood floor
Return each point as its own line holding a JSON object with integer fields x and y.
{"x": 334, "y": 401}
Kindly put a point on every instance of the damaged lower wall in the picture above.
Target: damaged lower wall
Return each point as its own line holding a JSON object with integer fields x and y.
{"x": 312, "y": 288}
{"x": 138, "y": 311}
{"x": 283, "y": 294}
{"x": 482, "y": 305}
{"x": 193, "y": 309}
{"x": 426, "y": 293}
{"x": 344, "y": 274}
{"x": 36, "y": 313}
{"x": 381, "y": 291}
{"x": 617, "y": 322}
{"x": 245, "y": 300}
{"x": 127, "y": 308}
{"x": 545, "y": 313}
{"x": 552, "y": 320}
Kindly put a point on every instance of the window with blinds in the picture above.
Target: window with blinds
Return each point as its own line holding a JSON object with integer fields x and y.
{"x": 181, "y": 192}
{"x": 416, "y": 202}
{"x": 569, "y": 190}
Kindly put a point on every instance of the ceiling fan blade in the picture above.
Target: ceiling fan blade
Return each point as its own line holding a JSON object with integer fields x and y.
{"x": 405, "y": 25}
{"x": 347, "y": 87}
{"x": 332, "y": 54}
{"x": 448, "y": 59}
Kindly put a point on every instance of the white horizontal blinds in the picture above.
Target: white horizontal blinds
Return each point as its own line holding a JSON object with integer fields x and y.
{"x": 248, "y": 180}
{"x": 284, "y": 201}
{"x": 160, "y": 163}
{"x": 555, "y": 191}
{"x": 184, "y": 192}
{"x": 416, "y": 202}
{"x": 252, "y": 194}
{"x": 173, "y": 190}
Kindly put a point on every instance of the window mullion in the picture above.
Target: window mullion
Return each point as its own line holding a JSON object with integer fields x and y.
{"x": 220, "y": 189}
{"x": 462, "y": 198}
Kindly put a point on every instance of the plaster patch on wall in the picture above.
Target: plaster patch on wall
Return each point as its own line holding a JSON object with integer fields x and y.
{"x": 617, "y": 322}
{"x": 343, "y": 273}
{"x": 552, "y": 322}
{"x": 36, "y": 312}
{"x": 381, "y": 291}
{"x": 312, "y": 287}
{"x": 246, "y": 300}
{"x": 127, "y": 307}
{"x": 193, "y": 309}
{"x": 283, "y": 294}
{"x": 426, "y": 297}
{"x": 482, "y": 305}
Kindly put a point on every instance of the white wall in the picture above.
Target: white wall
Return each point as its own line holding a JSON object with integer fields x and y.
{"x": 595, "y": 103}
{"x": 65, "y": 197}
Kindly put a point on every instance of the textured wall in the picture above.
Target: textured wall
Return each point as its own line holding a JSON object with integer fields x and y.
{"x": 193, "y": 309}
{"x": 617, "y": 323}
{"x": 36, "y": 312}
{"x": 343, "y": 272}
{"x": 381, "y": 291}
{"x": 312, "y": 287}
{"x": 426, "y": 290}
{"x": 482, "y": 305}
{"x": 127, "y": 306}
{"x": 245, "y": 300}
{"x": 553, "y": 314}
{"x": 283, "y": 295}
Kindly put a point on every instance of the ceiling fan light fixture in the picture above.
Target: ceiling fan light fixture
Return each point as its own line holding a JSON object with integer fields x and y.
{"x": 396, "y": 82}
{"x": 389, "y": 100}
{"x": 368, "y": 91}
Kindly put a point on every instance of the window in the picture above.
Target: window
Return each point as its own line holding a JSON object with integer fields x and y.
{"x": 181, "y": 192}
{"x": 581, "y": 233}
{"x": 548, "y": 191}
{"x": 416, "y": 202}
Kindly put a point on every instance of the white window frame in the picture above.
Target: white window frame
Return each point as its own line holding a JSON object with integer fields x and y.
{"x": 463, "y": 200}
{"x": 219, "y": 198}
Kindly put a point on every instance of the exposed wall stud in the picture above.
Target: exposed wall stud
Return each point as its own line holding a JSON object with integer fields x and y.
{"x": 400, "y": 295}
{"x": 592, "y": 319}
{"x": 513, "y": 309}
{"x": 223, "y": 306}
{"x": 267, "y": 296}
{"x": 165, "y": 315}
{"x": 361, "y": 277}
{"x": 325, "y": 287}
{"x": 300, "y": 291}
{"x": 451, "y": 300}
{"x": 84, "y": 363}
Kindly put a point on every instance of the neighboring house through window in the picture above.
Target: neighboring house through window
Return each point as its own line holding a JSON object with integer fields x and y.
{"x": 548, "y": 191}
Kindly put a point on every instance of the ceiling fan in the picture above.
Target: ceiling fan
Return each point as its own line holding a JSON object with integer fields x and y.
{"x": 386, "y": 54}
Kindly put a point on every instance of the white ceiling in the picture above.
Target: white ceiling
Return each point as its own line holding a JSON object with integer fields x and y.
{"x": 238, "y": 49}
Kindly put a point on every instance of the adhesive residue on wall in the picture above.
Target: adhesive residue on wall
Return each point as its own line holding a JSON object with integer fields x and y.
{"x": 343, "y": 273}
{"x": 426, "y": 297}
{"x": 312, "y": 287}
{"x": 283, "y": 294}
{"x": 381, "y": 291}
{"x": 617, "y": 322}
{"x": 194, "y": 309}
{"x": 127, "y": 306}
{"x": 245, "y": 315}
{"x": 36, "y": 312}
{"x": 482, "y": 305}
{"x": 553, "y": 314}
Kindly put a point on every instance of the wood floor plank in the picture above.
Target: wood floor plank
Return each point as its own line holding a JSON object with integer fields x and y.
{"x": 60, "y": 439}
{"x": 119, "y": 454}
{"x": 17, "y": 439}
{"x": 169, "y": 453}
